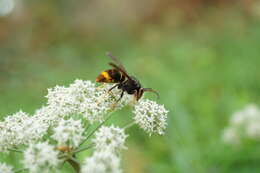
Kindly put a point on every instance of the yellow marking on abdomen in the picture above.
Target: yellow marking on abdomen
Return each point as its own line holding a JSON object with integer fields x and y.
{"x": 106, "y": 75}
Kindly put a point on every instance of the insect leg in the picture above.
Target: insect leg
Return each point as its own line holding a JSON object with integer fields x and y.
{"x": 122, "y": 94}
{"x": 113, "y": 87}
{"x": 139, "y": 94}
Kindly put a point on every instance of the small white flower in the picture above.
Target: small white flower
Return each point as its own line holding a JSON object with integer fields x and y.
{"x": 102, "y": 162}
{"x": 244, "y": 124}
{"x": 150, "y": 116}
{"x": 110, "y": 138}
{"x": 68, "y": 133}
{"x": 41, "y": 157}
{"x": 4, "y": 168}
{"x": 6, "y": 7}
{"x": 253, "y": 130}
{"x": 231, "y": 136}
{"x": 247, "y": 115}
{"x": 237, "y": 119}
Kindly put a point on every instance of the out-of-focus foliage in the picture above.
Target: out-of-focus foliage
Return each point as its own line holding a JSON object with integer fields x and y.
{"x": 201, "y": 56}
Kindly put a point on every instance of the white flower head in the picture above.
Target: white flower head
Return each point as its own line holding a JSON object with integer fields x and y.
{"x": 110, "y": 138}
{"x": 249, "y": 114}
{"x": 4, "y": 168}
{"x": 102, "y": 101}
{"x": 85, "y": 98}
{"x": 113, "y": 96}
{"x": 151, "y": 116}
{"x": 231, "y": 136}
{"x": 48, "y": 115}
{"x": 11, "y": 130}
{"x": 253, "y": 130}
{"x": 102, "y": 162}
{"x": 67, "y": 100}
{"x": 78, "y": 98}
{"x": 20, "y": 128}
{"x": 247, "y": 122}
{"x": 68, "y": 133}
{"x": 6, "y": 7}
{"x": 95, "y": 106}
{"x": 41, "y": 157}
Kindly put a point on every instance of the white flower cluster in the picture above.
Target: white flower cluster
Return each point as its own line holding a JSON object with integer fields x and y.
{"x": 110, "y": 138}
{"x": 47, "y": 115}
{"x": 41, "y": 157}
{"x": 102, "y": 162}
{"x": 20, "y": 128}
{"x": 243, "y": 124}
{"x": 4, "y": 168}
{"x": 54, "y": 124}
{"x": 68, "y": 133}
{"x": 108, "y": 142}
{"x": 150, "y": 116}
{"x": 83, "y": 97}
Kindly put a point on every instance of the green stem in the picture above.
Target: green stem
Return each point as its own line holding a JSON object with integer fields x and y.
{"x": 87, "y": 127}
{"x": 63, "y": 156}
{"x": 15, "y": 150}
{"x": 129, "y": 125}
{"x": 20, "y": 170}
{"x": 83, "y": 149}
{"x": 93, "y": 131}
{"x": 75, "y": 164}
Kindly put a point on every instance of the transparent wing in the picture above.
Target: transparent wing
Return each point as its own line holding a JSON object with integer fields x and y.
{"x": 115, "y": 59}
{"x": 119, "y": 66}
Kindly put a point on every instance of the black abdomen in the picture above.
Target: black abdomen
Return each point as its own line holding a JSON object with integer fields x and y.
{"x": 131, "y": 86}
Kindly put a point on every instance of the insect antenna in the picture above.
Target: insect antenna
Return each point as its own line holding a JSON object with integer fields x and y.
{"x": 151, "y": 90}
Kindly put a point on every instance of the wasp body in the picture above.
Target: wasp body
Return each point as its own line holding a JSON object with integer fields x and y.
{"x": 111, "y": 76}
{"x": 122, "y": 80}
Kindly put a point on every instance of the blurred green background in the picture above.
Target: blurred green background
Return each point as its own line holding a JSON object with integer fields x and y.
{"x": 202, "y": 56}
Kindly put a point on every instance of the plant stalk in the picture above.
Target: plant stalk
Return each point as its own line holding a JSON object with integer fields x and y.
{"x": 93, "y": 131}
{"x": 75, "y": 164}
{"x": 20, "y": 170}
